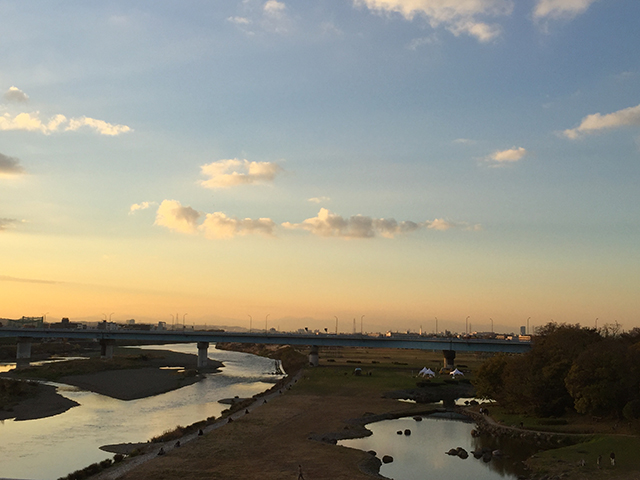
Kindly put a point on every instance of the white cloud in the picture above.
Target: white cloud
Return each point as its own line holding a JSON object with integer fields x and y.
{"x": 5, "y": 223}
{"x": 100, "y": 126}
{"x": 14, "y": 94}
{"x": 557, "y": 9}
{"x": 140, "y": 206}
{"x": 464, "y": 141}
{"x": 31, "y": 122}
{"x": 10, "y": 166}
{"x": 510, "y": 155}
{"x": 328, "y": 224}
{"x": 218, "y": 225}
{"x": 274, "y": 8}
{"x": 596, "y": 122}
{"x": 419, "y": 42}
{"x": 232, "y": 172}
{"x": 318, "y": 199}
{"x": 457, "y": 16}
{"x": 174, "y": 216}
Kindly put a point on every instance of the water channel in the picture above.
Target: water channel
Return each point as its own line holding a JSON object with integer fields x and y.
{"x": 52, "y": 447}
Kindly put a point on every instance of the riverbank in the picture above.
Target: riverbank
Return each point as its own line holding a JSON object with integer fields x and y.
{"x": 132, "y": 374}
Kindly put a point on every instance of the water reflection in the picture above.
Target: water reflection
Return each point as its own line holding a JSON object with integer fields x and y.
{"x": 52, "y": 447}
{"x": 423, "y": 454}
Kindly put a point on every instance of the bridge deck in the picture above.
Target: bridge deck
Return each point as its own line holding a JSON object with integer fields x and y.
{"x": 322, "y": 340}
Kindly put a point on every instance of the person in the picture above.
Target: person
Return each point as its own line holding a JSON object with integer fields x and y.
{"x": 612, "y": 457}
{"x": 300, "y": 475}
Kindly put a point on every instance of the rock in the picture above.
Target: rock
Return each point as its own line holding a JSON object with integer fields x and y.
{"x": 417, "y": 419}
{"x": 453, "y": 451}
{"x": 372, "y": 452}
{"x": 407, "y": 432}
{"x": 477, "y": 453}
{"x": 387, "y": 459}
{"x": 497, "y": 453}
{"x": 462, "y": 453}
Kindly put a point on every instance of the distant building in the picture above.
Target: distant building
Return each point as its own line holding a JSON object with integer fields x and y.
{"x": 130, "y": 322}
{"x": 162, "y": 325}
{"x": 523, "y": 330}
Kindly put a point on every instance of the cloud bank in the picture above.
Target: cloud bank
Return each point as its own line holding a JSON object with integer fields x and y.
{"x": 14, "y": 94}
{"x": 10, "y": 166}
{"x": 597, "y": 122}
{"x": 233, "y": 172}
{"x": 328, "y": 224}
{"x": 459, "y": 17}
{"x": 218, "y": 225}
{"x": 32, "y": 122}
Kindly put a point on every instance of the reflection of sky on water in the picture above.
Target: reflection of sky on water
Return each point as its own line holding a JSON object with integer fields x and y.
{"x": 421, "y": 454}
{"x": 53, "y": 447}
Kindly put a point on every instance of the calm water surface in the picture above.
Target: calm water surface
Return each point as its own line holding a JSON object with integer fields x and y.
{"x": 52, "y": 447}
{"x": 422, "y": 454}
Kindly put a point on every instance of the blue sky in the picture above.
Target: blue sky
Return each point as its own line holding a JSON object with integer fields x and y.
{"x": 398, "y": 159}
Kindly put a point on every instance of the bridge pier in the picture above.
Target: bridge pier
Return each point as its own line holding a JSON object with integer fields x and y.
{"x": 449, "y": 357}
{"x": 203, "y": 353}
{"x": 23, "y": 351}
{"x": 314, "y": 359}
{"x": 106, "y": 348}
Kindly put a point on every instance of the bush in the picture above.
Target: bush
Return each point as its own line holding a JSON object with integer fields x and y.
{"x": 631, "y": 410}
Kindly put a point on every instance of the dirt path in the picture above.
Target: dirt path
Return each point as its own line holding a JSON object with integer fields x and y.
{"x": 268, "y": 443}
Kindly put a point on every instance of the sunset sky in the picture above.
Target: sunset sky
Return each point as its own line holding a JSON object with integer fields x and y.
{"x": 397, "y": 159}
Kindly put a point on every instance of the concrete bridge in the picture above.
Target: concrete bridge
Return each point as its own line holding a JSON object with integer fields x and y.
{"x": 108, "y": 338}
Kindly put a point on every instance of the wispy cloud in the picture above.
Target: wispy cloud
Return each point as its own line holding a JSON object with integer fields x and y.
{"x": 233, "y": 172}
{"x": 140, "y": 206}
{"x": 5, "y": 278}
{"x": 511, "y": 155}
{"x": 560, "y": 9}
{"x": 459, "y": 17}
{"x": 597, "y": 122}
{"x": 6, "y": 223}
{"x": 14, "y": 94}
{"x": 318, "y": 199}
{"x": 328, "y": 224}
{"x": 174, "y": 216}
{"x": 10, "y": 166}
{"x": 33, "y": 123}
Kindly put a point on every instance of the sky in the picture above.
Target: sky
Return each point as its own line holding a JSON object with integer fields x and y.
{"x": 384, "y": 162}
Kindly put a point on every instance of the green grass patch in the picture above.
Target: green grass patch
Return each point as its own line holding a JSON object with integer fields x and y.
{"x": 568, "y": 460}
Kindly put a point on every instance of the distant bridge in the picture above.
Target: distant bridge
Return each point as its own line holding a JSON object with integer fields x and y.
{"x": 108, "y": 338}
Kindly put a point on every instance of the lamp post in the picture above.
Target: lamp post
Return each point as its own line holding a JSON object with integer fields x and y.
{"x": 250, "y": 322}
{"x": 466, "y": 328}
{"x": 110, "y": 315}
{"x": 265, "y": 323}
{"x": 183, "y": 315}
{"x": 436, "y": 325}
{"x": 336, "y": 324}
{"x": 491, "y": 324}
{"x": 361, "y": 330}
{"x": 527, "y": 332}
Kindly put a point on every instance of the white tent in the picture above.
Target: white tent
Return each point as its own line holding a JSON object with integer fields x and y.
{"x": 426, "y": 372}
{"x": 456, "y": 372}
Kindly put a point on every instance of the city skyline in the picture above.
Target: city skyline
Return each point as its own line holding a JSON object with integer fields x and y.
{"x": 397, "y": 159}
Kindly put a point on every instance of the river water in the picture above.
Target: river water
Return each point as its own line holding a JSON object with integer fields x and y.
{"x": 52, "y": 447}
{"x": 422, "y": 453}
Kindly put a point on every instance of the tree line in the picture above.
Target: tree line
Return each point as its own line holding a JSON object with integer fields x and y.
{"x": 569, "y": 367}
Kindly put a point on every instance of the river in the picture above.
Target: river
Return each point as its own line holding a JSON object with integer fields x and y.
{"x": 52, "y": 447}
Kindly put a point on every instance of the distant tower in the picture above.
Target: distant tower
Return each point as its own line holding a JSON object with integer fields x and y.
{"x": 523, "y": 330}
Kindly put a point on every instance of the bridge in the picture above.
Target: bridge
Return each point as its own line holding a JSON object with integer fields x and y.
{"x": 108, "y": 339}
